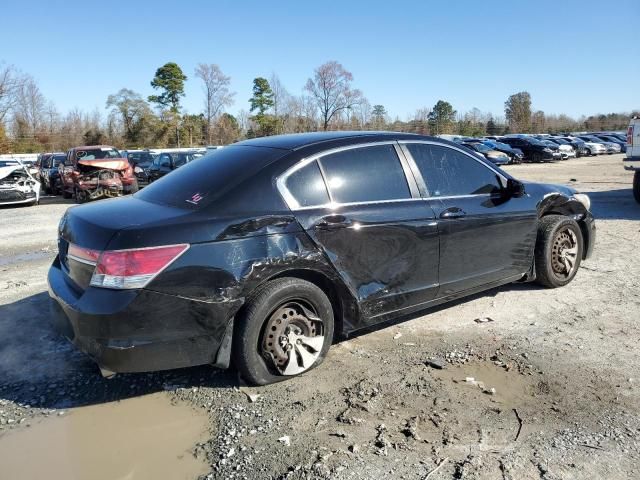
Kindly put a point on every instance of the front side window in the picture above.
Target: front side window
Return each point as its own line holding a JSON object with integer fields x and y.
{"x": 448, "y": 172}
{"x": 366, "y": 174}
{"x": 307, "y": 187}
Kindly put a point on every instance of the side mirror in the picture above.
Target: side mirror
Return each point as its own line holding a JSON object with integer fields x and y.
{"x": 514, "y": 188}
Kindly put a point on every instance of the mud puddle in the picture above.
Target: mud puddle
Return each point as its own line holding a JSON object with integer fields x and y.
{"x": 507, "y": 387}
{"x": 145, "y": 437}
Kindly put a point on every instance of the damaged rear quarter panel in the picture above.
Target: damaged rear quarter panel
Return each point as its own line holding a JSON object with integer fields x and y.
{"x": 225, "y": 272}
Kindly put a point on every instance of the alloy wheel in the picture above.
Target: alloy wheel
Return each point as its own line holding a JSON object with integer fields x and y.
{"x": 292, "y": 338}
{"x": 564, "y": 253}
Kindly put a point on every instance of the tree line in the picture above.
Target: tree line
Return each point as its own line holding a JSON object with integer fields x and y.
{"x": 29, "y": 122}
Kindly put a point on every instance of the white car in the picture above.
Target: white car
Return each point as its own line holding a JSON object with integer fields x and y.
{"x": 567, "y": 151}
{"x": 593, "y": 148}
{"x": 17, "y": 184}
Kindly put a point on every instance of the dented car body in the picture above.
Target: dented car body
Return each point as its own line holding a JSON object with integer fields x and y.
{"x": 17, "y": 185}
{"x": 95, "y": 172}
{"x": 292, "y": 206}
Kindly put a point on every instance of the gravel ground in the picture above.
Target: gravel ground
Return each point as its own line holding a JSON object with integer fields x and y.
{"x": 547, "y": 388}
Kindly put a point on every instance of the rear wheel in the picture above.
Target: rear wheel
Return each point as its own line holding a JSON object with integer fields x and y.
{"x": 558, "y": 250}
{"x": 636, "y": 185}
{"x": 286, "y": 329}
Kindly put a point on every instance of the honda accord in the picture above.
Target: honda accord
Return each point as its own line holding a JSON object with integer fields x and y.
{"x": 264, "y": 251}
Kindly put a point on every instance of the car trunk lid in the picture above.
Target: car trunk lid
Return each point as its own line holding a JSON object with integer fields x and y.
{"x": 92, "y": 227}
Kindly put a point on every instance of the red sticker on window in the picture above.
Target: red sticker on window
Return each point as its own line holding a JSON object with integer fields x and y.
{"x": 195, "y": 198}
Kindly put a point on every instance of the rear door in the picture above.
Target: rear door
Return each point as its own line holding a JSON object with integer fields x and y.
{"x": 485, "y": 237}
{"x": 361, "y": 205}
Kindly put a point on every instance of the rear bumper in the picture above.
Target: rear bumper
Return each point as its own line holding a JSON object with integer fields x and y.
{"x": 631, "y": 163}
{"x": 137, "y": 330}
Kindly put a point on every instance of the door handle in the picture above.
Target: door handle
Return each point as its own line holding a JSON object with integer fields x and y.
{"x": 333, "y": 222}
{"x": 453, "y": 212}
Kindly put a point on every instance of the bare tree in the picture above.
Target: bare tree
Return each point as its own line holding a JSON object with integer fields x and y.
{"x": 217, "y": 93}
{"x": 331, "y": 89}
{"x": 10, "y": 83}
{"x": 28, "y": 109}
{"x": 280, "y": 102}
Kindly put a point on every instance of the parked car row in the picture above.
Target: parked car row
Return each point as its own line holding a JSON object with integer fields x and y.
{"x": 92, "y": 172}
{"x": 516, "y": 148}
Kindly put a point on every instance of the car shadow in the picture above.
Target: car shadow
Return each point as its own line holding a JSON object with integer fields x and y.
{"x": 528, "y": 286}
{"x": 618, "y": 204}
{"x": 40, "y": 368}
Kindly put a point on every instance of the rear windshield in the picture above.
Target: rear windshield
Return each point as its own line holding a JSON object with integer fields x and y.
{"x": 197, "y": 184}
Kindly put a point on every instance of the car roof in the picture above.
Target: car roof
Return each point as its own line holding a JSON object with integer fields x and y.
{"x": 296, "y": 141}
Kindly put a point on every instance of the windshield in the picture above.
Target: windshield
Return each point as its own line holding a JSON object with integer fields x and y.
{"x": 197, "y": 184}
{"x": 58, "y": 159}
{"x": 98, "y": 154}
{"x": 481, "y": 147}
{"x": 534, "y": 141}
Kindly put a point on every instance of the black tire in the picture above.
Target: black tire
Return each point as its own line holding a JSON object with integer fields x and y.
{"x": 254, "y": 364}
{"x": 636, "y": 185}
{"x": 554, "y": 231}
{"x": 537, "y": 157}
{"x": 65, "y": 193}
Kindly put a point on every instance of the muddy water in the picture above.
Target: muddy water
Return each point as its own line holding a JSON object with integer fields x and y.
{"x": 139, "y": 438}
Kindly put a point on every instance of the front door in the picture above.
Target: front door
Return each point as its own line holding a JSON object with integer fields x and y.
{"x": 361, "y": 208}
{"x": 485, "y": 236}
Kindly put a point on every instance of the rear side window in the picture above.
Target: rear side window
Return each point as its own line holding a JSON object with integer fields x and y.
{"x": 197, "y": 184}
{"x": 307, "y": 187}
{"x": 366, "y": 174}
{"x": 448, "y": 172}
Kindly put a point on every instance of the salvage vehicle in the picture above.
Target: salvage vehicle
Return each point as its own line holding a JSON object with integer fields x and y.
{"x": 566, "y": 151}
{"x": 49, "y": 173}
{"x": 141, "y": 160}
{"x": 610, "y": 147}
{"x": 515, "y": 154}
{"x": 166, "y": 162}
{"x": 494, "y": 156}
{"x": 578, "y": 145}
{"x": 17, "y": 184}
{"x": 534, "y": 150}
{"x": 612, "y": 139}
{"x": 632, "y": 160}
{"x": 97, "y": 171}
{"x": 265, "y": 249}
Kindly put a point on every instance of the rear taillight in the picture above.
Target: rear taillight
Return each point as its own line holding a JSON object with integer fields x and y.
{"x": 630, "y": 135}
{"x": 122, "y": 269}
{"x": 83, "y": 255}
{"x": 134, "y": 268}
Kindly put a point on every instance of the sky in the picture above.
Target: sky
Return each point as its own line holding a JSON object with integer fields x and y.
{"x": 573, "y": 57}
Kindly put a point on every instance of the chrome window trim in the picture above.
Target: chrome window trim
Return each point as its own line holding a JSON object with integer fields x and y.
{"x": 293, "y": 204}
{"x": 410, "y": 158}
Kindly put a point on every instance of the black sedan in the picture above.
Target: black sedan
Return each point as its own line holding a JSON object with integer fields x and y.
{"x": 266, "y": 250}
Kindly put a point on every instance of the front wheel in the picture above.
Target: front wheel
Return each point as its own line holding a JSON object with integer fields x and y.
{"x": 285, "y": 329}
{"x": 636, "y": 185}
{"x": 558, "y": 250}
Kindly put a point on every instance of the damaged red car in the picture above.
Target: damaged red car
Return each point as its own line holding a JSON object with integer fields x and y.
{"x": 96, "y": 171}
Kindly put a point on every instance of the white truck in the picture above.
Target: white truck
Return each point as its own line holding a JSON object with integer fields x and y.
{"x": 632, "y": 162}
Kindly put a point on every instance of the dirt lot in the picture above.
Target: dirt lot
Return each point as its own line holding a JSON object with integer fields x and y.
{"x": 564, "y": 365}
